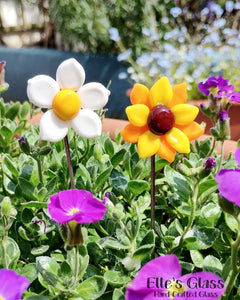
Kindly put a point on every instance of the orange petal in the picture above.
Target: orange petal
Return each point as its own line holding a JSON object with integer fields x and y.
{"x": 179, "y": 94}
{"x": 192, "y": 131}
{"x": 140, "y": 94}
{"x": 131, "y": 133}
{"x": 166, "y": 151}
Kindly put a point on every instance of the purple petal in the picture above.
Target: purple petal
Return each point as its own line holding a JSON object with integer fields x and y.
{"x": 12, "y": 285}
{"x": 210, "y": 163}
{"x": 144, "y": 284}
{"x": 235, "y": 96}
{"x": 71, "y": 199}
{"x": 237, "y": 156}
{"x": 203, "y": 88}
{"x": 223, "y": 115}
{"x": 228, "y": 185}
{"x": 202, "y": 285}
{"x": 77, "y": 205}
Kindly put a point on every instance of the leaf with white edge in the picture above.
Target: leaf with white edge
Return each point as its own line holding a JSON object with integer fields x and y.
{"x": 29, "y": 271}
{"x": 138, "y": 186}
{"x": 210, "y": 214}
{"x": 231, "y": 222}
{"x": 49, "y": 272}
{"x": 118, "y": 295}
{"x": 39, "y": 250}
{"x": 201, "y": 237}
{"x": 116, "y": 278}
{"x": 179, "y": 183}
{"x": 212, "y": 264}
{"x": 112, "y": 243}
{"x": 92, "y": 288}
{"x": 197, "y": 258}
{"x": 144, "y": 251}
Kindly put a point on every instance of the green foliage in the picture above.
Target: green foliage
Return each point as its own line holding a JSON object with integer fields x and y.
{"x": 84, "y": 25}
{"x": 116, "y": 247}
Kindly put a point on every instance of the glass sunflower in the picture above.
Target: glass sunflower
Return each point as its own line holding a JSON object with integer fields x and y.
{"x": 160, "y": 120}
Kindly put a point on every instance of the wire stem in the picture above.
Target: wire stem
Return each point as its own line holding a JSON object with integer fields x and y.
{"x": 153, "y": 191}
{"x": 69, "y": 162}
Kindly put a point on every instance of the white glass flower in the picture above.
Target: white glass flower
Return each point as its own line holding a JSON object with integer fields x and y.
{"x": 72, "y": 102}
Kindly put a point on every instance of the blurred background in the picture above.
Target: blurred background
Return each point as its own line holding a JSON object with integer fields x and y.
{"x": 184, "y": 40}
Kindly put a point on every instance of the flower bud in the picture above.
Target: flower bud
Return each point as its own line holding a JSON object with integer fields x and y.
{"x": 208, "y": 167}
{"x": 224, "y": 125}
{"x": 24, "y": 145}
{"x": 44, "y": 150}
{"x": 6, "y": 207}
{"x": 206, "y": 110}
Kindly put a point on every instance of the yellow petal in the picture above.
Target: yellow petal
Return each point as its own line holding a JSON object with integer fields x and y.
{"x": 131, "y": 133}
{"x": 184, "y": 113}
{"x": 192, "y": 130}
{"x": 178, "y": 140}
{"x": 148, "y": 144}
{"x": 138, "y": 114}
{"x": 140, "y": 94}
{"x": 165, "y": 151}
{"x": 179, "y": 94}
{"x": 161, "y": 92}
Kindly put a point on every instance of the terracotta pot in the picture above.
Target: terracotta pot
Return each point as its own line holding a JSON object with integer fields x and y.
{"x": 234, "y": 114}
{"x": 111, "y": 125}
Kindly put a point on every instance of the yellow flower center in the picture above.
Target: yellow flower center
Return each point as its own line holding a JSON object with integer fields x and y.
{"x": 214, "y": 90}
{"x": 1, "y": 298}
{"x": 176, "y": 288}
{"x": 66, "y": 105}
{"x": 71, "y": 213}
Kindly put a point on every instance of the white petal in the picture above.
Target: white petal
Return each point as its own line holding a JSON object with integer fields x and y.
{"x": 52, "y": 128}
{"x": 70, "y": 74}
{"x": 93, "y": 95}
{"x": 87, "y": 124}
{"x": 41, "y": 90}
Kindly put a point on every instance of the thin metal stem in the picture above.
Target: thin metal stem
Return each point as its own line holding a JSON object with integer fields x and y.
{"x": 153, "y": 191}
{"x": 69, "y": 162}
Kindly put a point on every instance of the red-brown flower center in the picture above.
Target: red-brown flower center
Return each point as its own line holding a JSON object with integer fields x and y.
{"x": 160, "y": 119}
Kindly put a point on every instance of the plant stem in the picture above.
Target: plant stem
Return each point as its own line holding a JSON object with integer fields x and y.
{"x": 213, "y": 147}
{"x": 39, "y": 170}
{"x": 191, "y": 217}
{"x": 69, "y": 162}
{"x": 234, "y": 263}
{"x": 75, "y": 146}
{"x": 4, "y": 244}
{"x": 153, "y": 191}
{"x": 76, "y": 268}
{"x": 221, "y": 156}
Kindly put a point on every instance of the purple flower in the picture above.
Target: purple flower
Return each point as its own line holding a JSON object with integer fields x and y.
{"x": 234, "y": 96}
{"x": 223, "y": 115}
{"x": 12, "y": 285}
{"x": 210, "y": 163}
{"x": 217, "y": 85}
{"x": 162, "y": 276}
{"x": 75, "y": 205}
{"x": 21, "y": 139}
{"x": 228, "y": 182}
